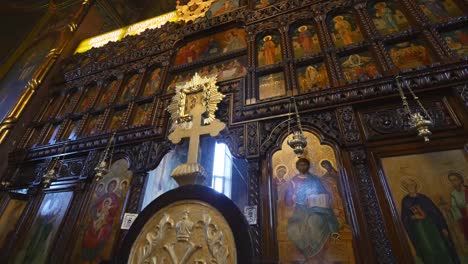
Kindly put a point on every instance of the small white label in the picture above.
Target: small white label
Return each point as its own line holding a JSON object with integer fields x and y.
{"x": 250, "y": 213}
{"x": 128, "y": 220}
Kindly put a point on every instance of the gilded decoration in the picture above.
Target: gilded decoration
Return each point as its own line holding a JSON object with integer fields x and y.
{"x": 185, "y": 232}
{"x": 193, "y": 9}
{"x": 199, "y": 90}
{"x": 193, "y": 110}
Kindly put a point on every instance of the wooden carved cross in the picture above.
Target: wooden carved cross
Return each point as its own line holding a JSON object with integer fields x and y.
{"x": 195, "y": 132}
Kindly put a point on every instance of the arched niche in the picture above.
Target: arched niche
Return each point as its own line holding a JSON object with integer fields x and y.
{"x": 309, "y": 210}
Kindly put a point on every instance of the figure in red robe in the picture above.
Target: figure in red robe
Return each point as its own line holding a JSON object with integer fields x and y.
{"x": 99, "y": 228}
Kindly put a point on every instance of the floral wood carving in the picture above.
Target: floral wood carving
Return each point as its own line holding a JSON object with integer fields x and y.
{"x": 185, "y": 232}
{"x": 393, "y": 121}
{"x": 348, "y": 125}
{"x": 371, "y": 207}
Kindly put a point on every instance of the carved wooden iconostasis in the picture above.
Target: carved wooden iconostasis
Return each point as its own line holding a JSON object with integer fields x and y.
{"x": 381, "y": 186}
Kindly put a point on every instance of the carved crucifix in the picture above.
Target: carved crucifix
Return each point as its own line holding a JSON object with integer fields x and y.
{"x": 192, "y": 111}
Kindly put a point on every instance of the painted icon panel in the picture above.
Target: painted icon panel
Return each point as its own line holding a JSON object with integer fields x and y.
{"x": 271, "y": 85}
{"x": 44, "y": 228}
{"x": 224, "y": 71}
{"x": 51, "y": 134}
{"x": 14, "y": 83}
{"x": 268, "y": 50}
{"x": 312, "y": 77}
{"x": 129, "y": 89}
{"x": 9, "y": 219}
{"x": 311, "y": 216}
{"x": 410, "y": 54}
{"x": 219, "y": 7}
{"x": 264, "y": 3}
{"x": 100, "y": 226}
{"x": 142, "y": 115}
{"x": 345, "y": 30}
{"x": 33, "y": 137}
{"x": 219, "y": 43}
{"x": 72, "y": 130}
{"x": 359, "y": 67}
{"x": 305, "y": 40}
{"x": 117, "y": 119}
{"x": 87, "y": 99}
{"x": 387, "y": 17}
{"x": 52, "y": 108}
{"x": 429, "y": 191}
{"x": 69, "y": 104}
{"x": 439, "y": 10}
{"x": 457, "y": 40}
{"x": 152, "y": 83}
{"x": 107, "y": 94}
{"x": 91, "y": 127}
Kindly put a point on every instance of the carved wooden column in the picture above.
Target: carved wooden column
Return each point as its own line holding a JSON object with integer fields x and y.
{"x": 327, "y": 46}
{"x": 250, "y": 97}
{"x": 255, "y": 200}
{"x": 370, "y": 205}
{"x": 287, "y": 54}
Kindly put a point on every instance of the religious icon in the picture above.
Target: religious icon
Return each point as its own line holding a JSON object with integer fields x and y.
{"x": 117, "y": 119}
{"x": 129, "y": 88}
{"x": 216, "y": 44}
{"x": 87, "y": 99}
{"x": 423, "y": 219}
{"x": 429, "y": 192}
{"x": 264, "y": 3}
{"x": 272, "y": 85}
{"x": 142, "y": 115}
{"x": 69, "y": 104}
{"x": 359, "y": 67}
{"x": 101, "y": 223}
{"x": 51, "y": 108}
{"x": 107, "y": 94}
{"x": 33, "y": 137}
{"x": 71, "y": 131}
{"x": 44, "y": 228}
{"x": 233, "y": 41}
{"x": 407, "y": 55}
{"x": 50, "y": 137}
{"x": 91, "y": 126}
{"x": 311, "y": 217}
{"x": 387, "y": 18}
{"x": 220, "y": 7}
{"x": 345, "y": 30}
{"x": 152, "y": 84}
{"x": 9, "y": 220}
{"x": 457, "y": 40}
{"x": 437, "y": 10}
{"x": 269, "y": 50}
{"x": 226, "y": 70}
{"x": 312, "y": 77}
{"x": 305, "y": 41}
{"x": 14, "y": 83}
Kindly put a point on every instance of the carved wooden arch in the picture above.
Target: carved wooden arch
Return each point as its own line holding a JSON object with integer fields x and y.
{"x": 126, "y": 154}
{"x": 313, "y": 125}
{"x": 268, "y": 198}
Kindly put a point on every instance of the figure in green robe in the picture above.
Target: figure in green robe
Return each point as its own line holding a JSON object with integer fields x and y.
{"x": 426, "y": 227}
